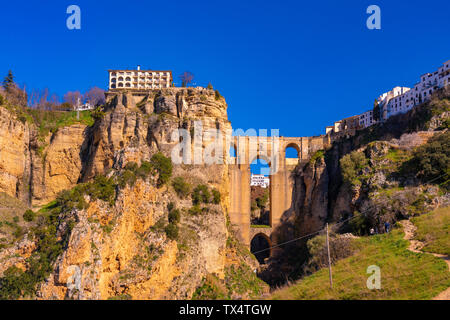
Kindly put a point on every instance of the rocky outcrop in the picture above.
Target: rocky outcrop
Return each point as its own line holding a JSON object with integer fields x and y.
{"x": 122, "y": 249}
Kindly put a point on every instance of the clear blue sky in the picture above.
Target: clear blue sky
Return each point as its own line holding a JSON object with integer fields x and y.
{"x": 292, "y": 65}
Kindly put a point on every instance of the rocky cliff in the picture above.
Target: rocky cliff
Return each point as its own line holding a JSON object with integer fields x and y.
{"x": 113, "y": 237}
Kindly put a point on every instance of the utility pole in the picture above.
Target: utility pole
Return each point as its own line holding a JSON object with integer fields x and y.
{"x": 329, "y": 260}
{"x": 78, "y": 108}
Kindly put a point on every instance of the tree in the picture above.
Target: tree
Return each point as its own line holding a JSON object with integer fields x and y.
{"x": 95, "y": 96}
{"x": 8, "y": 82}
{"x": 72, "y": 97}
{"x": 163, "y": 166}
{"x": 29, "y": 215}
{"x": 376, "y": 111}
{"x": 186, "y": 78}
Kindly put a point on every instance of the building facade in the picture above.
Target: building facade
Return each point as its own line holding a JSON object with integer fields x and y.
{"x": 366, "y": 119}
{"x": 259, "y": 180}
{"x": 139, "y": 79}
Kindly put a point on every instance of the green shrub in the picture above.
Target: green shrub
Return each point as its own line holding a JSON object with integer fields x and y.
{"x": 29, "y": 215}
{"x": 432, "y": 160}
{"x": 201, "y": 194}
{"x": 351, "y": 165}
{"x": 216, "y": 196}
{"x": 163, "y": 166}
{"x": 359, "y": 224}
{"x": 127, "y": 177}
{"x": 132, "y": 166}
{"x": 261, "y": 202}
{"x": 181, "y": 187}
{"x": 144, "y": 170}
{"x": 195, "y": 210}
{"x": 171, "y": 231}
{"x": 98, "y": 113}
{"x": 2, "y": 100}
{"x": 16, "y": 219}
{"x": 174, "y": 216}
{"x": 319, "y": 154}
{"x": 102, "y": 188}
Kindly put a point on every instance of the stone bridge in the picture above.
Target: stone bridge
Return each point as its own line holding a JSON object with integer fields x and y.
{"x": 247, "y": 149}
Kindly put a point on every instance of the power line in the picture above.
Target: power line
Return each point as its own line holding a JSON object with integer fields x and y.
{"x": 348, "y": 219}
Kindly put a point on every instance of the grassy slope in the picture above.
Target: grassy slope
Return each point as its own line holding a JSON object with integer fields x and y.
{"x": 434, "y": 230}
{"x": 404, "y": 274}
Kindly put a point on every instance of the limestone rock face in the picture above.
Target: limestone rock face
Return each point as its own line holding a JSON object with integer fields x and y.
{"x": 311, "y": 196}
{"x": 122, "y": 249}
{"x": 15, "y": 155}
{"x": 34, "y": 169}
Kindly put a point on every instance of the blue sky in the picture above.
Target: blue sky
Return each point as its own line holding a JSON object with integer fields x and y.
{"x": 290, "y": 65}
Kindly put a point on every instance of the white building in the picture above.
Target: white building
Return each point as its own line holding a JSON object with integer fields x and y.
{"x": 366, "y": 119}
{"x": 139, "y": 79}
{"x": 401, "y": 99}
{"x": 259, "y": 180}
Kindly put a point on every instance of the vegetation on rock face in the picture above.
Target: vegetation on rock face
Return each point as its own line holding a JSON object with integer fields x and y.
{"x": 404, "y": 274}
{"x": 215, "y": 196}
{"x": 201, "y": 194}
{"x": 319, "y": 154}
{"x": 352, "y": 165}
{"x": 29, "y": 215}
{"x": 181, "y": 187}
{"x": 240, "y": 282}
{"x": 163, "y": 166}
{"x": 432, "y": 160}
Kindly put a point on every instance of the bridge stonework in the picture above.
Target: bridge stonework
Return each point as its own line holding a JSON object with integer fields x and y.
{"x": 281, "y": 183}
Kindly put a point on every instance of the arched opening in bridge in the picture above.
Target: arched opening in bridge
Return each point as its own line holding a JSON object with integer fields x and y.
{"x": 232, "y": 153}
{"x": 260, "y": 247}
{"x": 292, "y": 154}
{"x": 260, "y": 193}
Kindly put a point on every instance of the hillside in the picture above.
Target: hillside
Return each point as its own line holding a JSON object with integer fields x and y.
{"x": 384, "y": 173}
{"x": 404, "y": 274}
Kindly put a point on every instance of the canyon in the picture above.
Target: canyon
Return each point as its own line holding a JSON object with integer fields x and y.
{"x": 117, "y": 246}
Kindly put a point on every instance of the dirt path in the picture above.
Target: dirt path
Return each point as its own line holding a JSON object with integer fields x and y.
{"x": 416, "y": 246}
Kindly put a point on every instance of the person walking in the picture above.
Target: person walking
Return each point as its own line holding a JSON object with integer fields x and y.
{"x": 386, "y": 227}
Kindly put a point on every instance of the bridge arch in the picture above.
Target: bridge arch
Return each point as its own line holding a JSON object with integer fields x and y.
{"x": 261, "y": 246}
{"x": 292, "y": 145}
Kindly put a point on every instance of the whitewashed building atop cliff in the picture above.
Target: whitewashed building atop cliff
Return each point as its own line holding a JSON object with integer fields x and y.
{"x": 401, "y": 99}
{"x": 139, "y": 79}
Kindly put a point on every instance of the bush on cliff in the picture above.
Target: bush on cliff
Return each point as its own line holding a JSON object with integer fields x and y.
{"x": 432, "y": 160}
{"x": 181, "y": 187}
{"x": 201, "y": 194}
{"x": 163, "y": 166}
{"x": 171, "y": 231}
{"x": 216, "y": 196}
{"x": 29, "y": 215}
{"x": 351, "y": 165}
